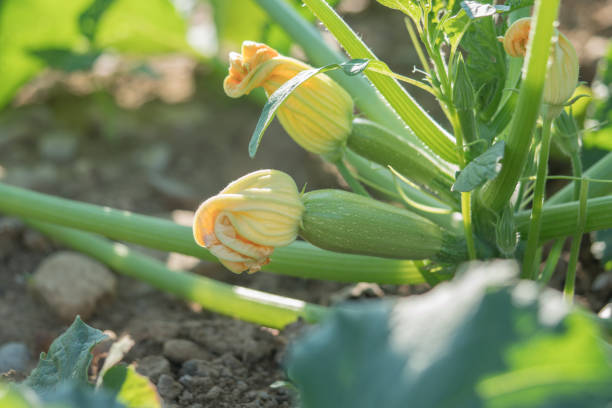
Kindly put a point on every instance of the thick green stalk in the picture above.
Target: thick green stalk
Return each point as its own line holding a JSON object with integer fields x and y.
{"x": 600, "y": 170}
{"x": 426, "y": 129}
{"x": 529, "y": 259}
{"x": 497, "y": 193}
{"x": 384, "y": 147}
{"x": 570, "y": 277}
{"x": 298, "y": 259}
{"x": 235, "y": 301}
{"x": 560, "y": 221}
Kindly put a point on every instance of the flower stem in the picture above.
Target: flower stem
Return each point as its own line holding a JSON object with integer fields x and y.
{"x": 353, "y": 183}
{"x": 551, "y": 262}
{"x": 529, "y": 259}
{"x": 570, "y": 277}
{"x": 601, "y": 169}
{"x": 466, "y": 212}
{"x": 298, "y": 259}
{"x": 235, "y": 301}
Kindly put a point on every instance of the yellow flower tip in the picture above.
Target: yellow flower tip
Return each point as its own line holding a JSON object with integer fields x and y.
{"x": 562, "y": 75}
{"x": 516, "y": 37}
{"x": 249, "y": 218}
{"x": 249, "y": 69}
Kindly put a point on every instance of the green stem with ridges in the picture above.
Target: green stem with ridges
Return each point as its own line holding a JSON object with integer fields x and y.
{"x": 559, "y": 221}
{"x": 298, "y": 259}
{"x": 529, "y": 259}
{"x": 243, "y": 303}
{"x": 570, "y": 277}
{"x": 551, "y": 262}
{"x": 497, "y": 193}
{"x": 425, "y": 128}
{"x": 600, "y": 170}
{"x": 352, "y": 182}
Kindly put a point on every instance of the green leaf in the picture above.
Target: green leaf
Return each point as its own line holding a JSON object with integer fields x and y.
{"x": 482, "y": 340}
{"x": 130, "y": 388}
{"x": 65, "y": 59}
{"x": 351, "y": 67}
{"x": 71, "y": 394}
{"x": 483, "y": 168}
{"x": 13, "y": 397}
{"x": 409, "y": 7}
{"x": 68, "y": 359}
{"x": 144, "y": 27}
{"x": 475, "y": 9}
{"x": 89, "y": 19}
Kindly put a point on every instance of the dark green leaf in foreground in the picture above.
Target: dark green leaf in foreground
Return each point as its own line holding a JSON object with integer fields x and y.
{"x": 130, "y": 388}
{"x": 68, "y": 359}
{"x": 482, "y": 168}
{"x": 482, "y": 340}
{"x": 352, "y": 67}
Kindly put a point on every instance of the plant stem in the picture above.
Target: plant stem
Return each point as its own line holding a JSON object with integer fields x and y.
{"x": 560, "y": 221}
{"x": 551, "y": 262}
{"x": 497, "y": 193}
{"x": 600, "y": 170}
{"x": 570, "y": 277}
{"x": 298, "y": 259}
{"x": 466, "y": 212}
{"x": 417, "y": 45}
{"x": 425, "y": 128}
{"x": 353, "y": 183}
{"x": 235, "y": 301}
{"x": 529, "y": 259}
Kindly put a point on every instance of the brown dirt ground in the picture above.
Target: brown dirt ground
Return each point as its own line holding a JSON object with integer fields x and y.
{"x": 159, "y": 158}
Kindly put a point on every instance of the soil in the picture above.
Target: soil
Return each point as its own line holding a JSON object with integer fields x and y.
{"x": 158, "y": 158}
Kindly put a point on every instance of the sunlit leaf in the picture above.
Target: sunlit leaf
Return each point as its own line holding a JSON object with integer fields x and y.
{"x": 130, "y": 388}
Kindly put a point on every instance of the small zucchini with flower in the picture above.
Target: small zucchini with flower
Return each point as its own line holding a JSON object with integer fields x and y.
{"x": 260, "y": 211}
{"x": 318, "y": 115}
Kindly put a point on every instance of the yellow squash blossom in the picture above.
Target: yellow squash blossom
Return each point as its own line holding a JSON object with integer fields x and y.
{"x": 249, "y": 218}
{"x": 317, "y": 115}
{"x": 562, "y": 76}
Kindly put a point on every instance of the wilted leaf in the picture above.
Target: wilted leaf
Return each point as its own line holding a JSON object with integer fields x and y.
{"x": 130, "y": 388}
{"x": 482, "y": 168}
{"x": 68, "y": 359}
{"x": 482, "y": 340}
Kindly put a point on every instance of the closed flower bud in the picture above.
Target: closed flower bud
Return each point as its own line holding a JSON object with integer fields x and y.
{"x": 249, "y": 218}
{"x": 562, "y": 76}
{"x": 317, "y": 115}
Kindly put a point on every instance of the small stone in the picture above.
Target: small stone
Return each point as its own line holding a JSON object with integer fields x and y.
{"x": 72, "y": 284}
{"x": 14, "y": 356}
{"x": 199, "y": 368}
{"x": 58, "y": 146}
{"x": 180, "y": 350}
{"x": 602, "y": 282}
{"x": 213, "y": 393}
{"x": 175, "y": 191}
{"x": 155, "y": 157}
{"x": 606, "y": 312}
{"x": 153, "y": 367}
{"x": 168, "y": 388}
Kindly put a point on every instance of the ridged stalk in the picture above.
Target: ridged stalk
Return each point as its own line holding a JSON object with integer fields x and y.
{"x": 298, "y": 259}
{"x": 381, "y": 146}
{"x": 349, "y": 223}
{"x": 498, "y": 192}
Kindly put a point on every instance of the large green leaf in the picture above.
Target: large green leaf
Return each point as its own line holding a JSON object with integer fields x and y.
{"x": 68, "y": 359}
{"x": 482, "y": 340}
{"x": 130, "y": 388}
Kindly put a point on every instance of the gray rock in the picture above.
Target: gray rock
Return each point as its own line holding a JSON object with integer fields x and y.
{"x": 180, "y": 350}
{"x": 153, "y": 367}
{"x": 168, "y": 388}
{"x": 213, "y": 393}
{"x": 606, "y": 312}
{"x": 14, "y": 356}
{"x": 155, "y": 157}
{"x": 72, "y": 284}
{"x": 199, "y": 368}
{"x": 58, "y": 146}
